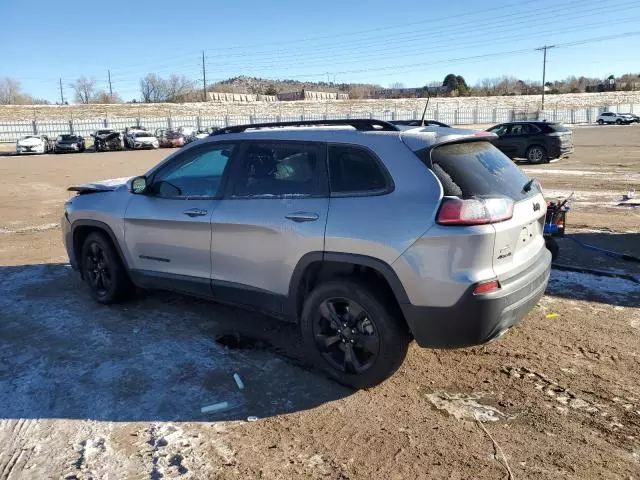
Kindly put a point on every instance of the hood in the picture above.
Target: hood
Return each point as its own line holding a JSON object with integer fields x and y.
{"x": 67, "y": 142}
{"x": 30, "y": 142}
{"x": 99, "y": 186}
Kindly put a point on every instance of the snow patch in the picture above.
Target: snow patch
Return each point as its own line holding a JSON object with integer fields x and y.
{"x": 465, "y": 407}
{"x": 34, "y": 228}
{"x": 582, "y": 285}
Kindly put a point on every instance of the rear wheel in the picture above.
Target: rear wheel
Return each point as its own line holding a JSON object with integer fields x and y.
{"x": 537, "y": 154}
{"x": 352, "y": 334}
{"x": 618, "y": 122}
{"x": 600, "y": 122}
{"x": 103, "y": 270}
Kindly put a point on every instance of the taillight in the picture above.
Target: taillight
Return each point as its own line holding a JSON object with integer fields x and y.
{"x": 474, "y": 211}
{"x": 486, "y": 287}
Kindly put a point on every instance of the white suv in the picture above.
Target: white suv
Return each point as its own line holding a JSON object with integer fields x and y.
{"x": 617, "y": 118}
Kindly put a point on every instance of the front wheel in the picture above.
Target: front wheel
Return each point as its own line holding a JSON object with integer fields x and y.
{"x": 600, "y": 122}
{"x": 353, "y": 334}
{"x": 618, "y": 122}
{"x": 537, "y": 154}
{"x": 103, "y": 270}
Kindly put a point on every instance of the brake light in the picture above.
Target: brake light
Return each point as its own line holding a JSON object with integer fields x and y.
{"x": 486, "y": 287}
{"x": 474, "y": 211}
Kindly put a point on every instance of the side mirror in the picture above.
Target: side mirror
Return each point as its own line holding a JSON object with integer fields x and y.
{"x": 138, "y": 185}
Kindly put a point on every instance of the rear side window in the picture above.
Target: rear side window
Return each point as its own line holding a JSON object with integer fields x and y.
{"x": 478, "y": 169}
{"x": 354, "y": 170}
{"x": 273, "y": 169}
{"x": 557, "y": 127}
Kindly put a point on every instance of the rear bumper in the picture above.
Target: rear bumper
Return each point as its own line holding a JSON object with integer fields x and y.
{"x": 477, "y": 319}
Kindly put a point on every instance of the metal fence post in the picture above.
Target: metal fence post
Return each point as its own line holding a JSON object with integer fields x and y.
{"x": 226, "y": 120}
{"x": 105, "y": 123}
{"x": 475, "y": 116}
{"x": 573, "y": 116}
{"x": 169, "y": 123}
{"x": 35, "y": 127}
{"x": 71, "y": 127}
{"x": 251, "y": 117}
{"x": 198, "y": 123}
{"x": 494, "y": 115}
{"x": 455, "y": 116}
{"x": 394, "y": 115}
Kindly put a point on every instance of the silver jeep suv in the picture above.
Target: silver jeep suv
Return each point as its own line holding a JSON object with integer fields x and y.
{"x": 364, "y": 235}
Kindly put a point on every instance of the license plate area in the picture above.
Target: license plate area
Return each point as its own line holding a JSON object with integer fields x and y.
{"x": 527, "y": 233}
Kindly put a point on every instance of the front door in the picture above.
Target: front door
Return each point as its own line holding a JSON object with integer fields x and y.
{"x": 274, "y": 212}
{"x": 168, "y": 228}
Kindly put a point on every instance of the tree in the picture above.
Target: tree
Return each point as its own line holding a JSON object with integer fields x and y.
{"x": 84, "y": 89}
{"x": 103, "y": 97}
{"x": 397, "y": 85}
{"x": 153, "y": 88}
{"x": 177, "y": 87}
{"x": 9, "y": 91}
{"x": 456, "y": 84}
{"x": 271, "y": 90}
{"x": 451, "y": 82}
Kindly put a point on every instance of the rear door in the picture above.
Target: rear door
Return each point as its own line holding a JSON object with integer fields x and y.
{"x": 479, "y": 170}
{"x": 505, "y": 141}
{"x": 274, "y": 212}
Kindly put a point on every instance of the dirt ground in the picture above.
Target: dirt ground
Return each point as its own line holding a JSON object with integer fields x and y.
{"x": 88, "y": 391}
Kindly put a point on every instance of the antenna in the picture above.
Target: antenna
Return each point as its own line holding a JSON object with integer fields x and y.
{"x": 424, "y": 112}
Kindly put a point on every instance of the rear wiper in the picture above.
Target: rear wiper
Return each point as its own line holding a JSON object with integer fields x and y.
{"x": 528, "y": 185}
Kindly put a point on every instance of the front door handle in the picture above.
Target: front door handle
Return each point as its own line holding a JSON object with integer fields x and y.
{"x": 302, "y": 217}
{"x": 195, "y": 212}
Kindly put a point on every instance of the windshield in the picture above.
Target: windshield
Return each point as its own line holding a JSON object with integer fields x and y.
{"x": 67, "y": 138}
{"x": 104, "y": 132}
{"x": 29, "y": 136}
{"x": 142, "y": 134}
{"x": 477, "y": 169}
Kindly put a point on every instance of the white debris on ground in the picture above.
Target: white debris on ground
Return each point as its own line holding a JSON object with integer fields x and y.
{"x": 34, "y": 228}
{"x": 465, "y": 406}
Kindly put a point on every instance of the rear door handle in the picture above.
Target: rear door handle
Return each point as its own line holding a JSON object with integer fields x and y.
{"x": 302, "y": 217}
{"x": 195, "y": 212}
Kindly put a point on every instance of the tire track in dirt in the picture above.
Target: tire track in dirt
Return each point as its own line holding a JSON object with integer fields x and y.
{"x": 12, "y": 434}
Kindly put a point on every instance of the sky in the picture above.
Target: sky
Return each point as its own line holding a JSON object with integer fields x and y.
{"x": 374, "y": 41}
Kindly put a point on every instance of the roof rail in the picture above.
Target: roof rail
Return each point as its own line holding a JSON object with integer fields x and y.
{"x": 358, "y": 124}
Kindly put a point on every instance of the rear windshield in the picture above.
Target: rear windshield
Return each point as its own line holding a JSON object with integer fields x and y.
{"x": 477, "y": 169}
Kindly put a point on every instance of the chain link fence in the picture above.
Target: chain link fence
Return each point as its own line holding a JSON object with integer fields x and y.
{"x": 12, "y": 131}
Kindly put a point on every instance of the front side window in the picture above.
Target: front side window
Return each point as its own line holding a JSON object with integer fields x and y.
{"x": 273, "y": 169}
{"x": 354, "y": 170}
{"x": 196, "y": 173}
{"x": 499, "y": 130}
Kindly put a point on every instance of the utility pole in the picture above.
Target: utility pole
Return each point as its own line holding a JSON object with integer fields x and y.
{"x": 61, "y": 95}
{"x": 204, "y": 80}
{"x": 110, "y": 89}
{"x": 544, "y": 68}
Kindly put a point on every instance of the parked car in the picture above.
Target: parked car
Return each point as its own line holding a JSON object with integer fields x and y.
{"x": 187, "y": 131}
{"x": 107, "y": 139}
{"x": 634, "y": 118}
{"x": 617, "y": 118}
{"x": 199, "y": 135}
{"x": 169, "y": 138}
{"x": 538, "y": 142}
{"x": 245, "y": 219}
{"x": 69, "y": 143}
{"x": 34, "y": 144}
{"x": 142, "y": 139}
{"x": 128, "y": 135}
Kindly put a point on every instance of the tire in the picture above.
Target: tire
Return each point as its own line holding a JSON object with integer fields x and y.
{"x": 537, "y": 154}
{"x": 374, "y": 338}
{"x": 600, "y": 122}
{"x": 618, "y": 122}
{"x": 103, "y": 270}
{"x": 553, "y": 247}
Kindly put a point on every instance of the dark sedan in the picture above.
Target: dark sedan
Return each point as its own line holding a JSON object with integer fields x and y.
{"x": 538, "y": 142}
{"x": 69, "y": 143}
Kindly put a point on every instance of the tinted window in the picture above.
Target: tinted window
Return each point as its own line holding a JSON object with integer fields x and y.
{"x": 478, "y": 169}
{"x": 556, "y": 127}
{"x": 353, "y": 169}
{"x": 273, "y": 169}
{"x": 499, "y": 130}
{"x": 195, "y": 173}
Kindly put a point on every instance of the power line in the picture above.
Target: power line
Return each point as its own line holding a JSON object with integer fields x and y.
{"x": 204, "y": 80}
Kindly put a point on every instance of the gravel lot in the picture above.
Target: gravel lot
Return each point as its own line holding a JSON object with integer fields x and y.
{"x": 115, "y": 392}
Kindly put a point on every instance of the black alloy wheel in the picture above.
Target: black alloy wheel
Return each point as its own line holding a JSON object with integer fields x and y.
{"x": 346, "y": 335}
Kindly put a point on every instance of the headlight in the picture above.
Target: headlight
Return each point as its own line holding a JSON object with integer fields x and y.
{"x": 74, "y": 145}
